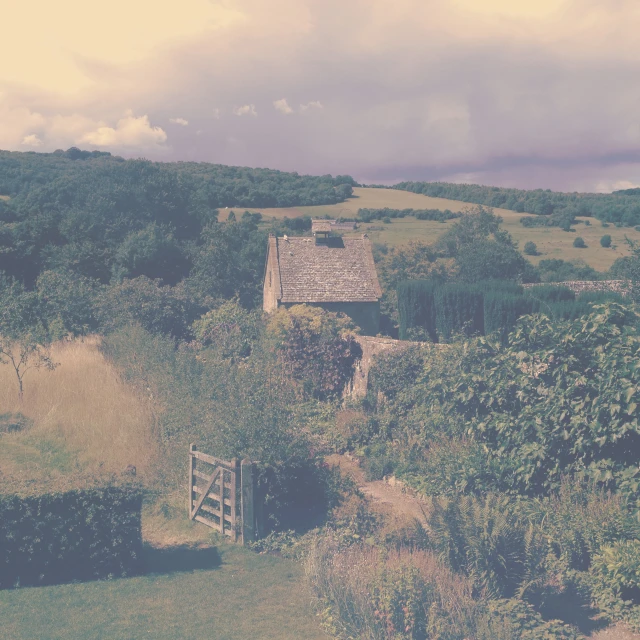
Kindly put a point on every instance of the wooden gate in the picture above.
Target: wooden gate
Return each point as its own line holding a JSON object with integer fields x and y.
{"x": 221, "y": 495}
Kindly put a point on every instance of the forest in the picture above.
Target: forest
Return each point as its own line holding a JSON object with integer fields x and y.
{"x": 620, "y": 207}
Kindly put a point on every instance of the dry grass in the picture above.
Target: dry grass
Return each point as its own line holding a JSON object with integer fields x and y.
{"x": 84, "y": 404}
{"x": 5, "y": 197}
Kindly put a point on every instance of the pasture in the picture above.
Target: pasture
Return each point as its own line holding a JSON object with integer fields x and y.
{"x": 552, "y": 242}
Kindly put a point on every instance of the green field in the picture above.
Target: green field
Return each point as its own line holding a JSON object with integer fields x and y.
{"x": 552, "y": 242}
{"x": 235, "y": 594}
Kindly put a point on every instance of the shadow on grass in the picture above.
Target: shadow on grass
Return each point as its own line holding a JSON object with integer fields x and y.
{"x": 165, "y": 560}
{"x": 572, "y": 609}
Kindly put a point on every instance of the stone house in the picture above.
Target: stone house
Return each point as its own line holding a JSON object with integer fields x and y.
{"x": 337, "y": 274}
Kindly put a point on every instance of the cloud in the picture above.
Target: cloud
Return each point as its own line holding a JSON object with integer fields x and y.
{"x": 180, "y": 121}
{"x": 128, "y": 132}
{"x": 311, "y": 105}
{"x": 282, "y": 106}
{"x": 32, "y": 140}
{"x": 516, "y": 94}
{"x": 246, "y": 110}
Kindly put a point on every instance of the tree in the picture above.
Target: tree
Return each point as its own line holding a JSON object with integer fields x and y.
{"x": 605, "y": 241}
{"x": 530, "y": 248}
{"x": 579, "y": 243}
{"x": 24, "y": 339}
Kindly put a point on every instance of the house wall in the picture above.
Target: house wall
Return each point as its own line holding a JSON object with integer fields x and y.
{"x": 365, "y": 314}
{"x": 271, "y": 286}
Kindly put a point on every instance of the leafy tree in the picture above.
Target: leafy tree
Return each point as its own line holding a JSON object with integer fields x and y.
{"x": 230, "y": 329}
{"x": 605, "y": 241}
{"x": 142, "y": 301}
{"x": 579, "y": 243}
{"x": 530, "y": 248}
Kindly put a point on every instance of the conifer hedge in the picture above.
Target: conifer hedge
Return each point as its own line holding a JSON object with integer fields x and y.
{"x": 459, "y": 308}
{"x": 435, "y": 312}
{"x": 416, "y": 308}
{"x": 73, "y": 535}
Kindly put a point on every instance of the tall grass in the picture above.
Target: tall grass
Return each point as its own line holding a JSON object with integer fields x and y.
{"x": 84, "y": 404}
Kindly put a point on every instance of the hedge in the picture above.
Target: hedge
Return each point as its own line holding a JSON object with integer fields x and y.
{"x": 75, "y": 535}
{"x": 416, "y": 308}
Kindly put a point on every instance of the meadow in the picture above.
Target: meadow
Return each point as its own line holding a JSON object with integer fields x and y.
{"x": 83, "y": 418}
{"x": 551, "y": 242}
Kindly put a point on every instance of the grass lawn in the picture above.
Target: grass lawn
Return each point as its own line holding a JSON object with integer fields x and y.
{"x": 552, "y": 242}
{"x": 234, "y": 594}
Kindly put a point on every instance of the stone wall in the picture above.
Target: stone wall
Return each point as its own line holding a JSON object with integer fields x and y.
{"x": 372, "y": 346}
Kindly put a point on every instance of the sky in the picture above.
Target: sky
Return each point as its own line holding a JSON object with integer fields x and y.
{"x": 515, "y": 93}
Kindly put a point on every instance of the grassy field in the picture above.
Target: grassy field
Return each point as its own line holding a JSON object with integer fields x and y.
{"x": 551, "y": 241}
{"x": 196, "y": 585}
{"x": 223, "y": 592}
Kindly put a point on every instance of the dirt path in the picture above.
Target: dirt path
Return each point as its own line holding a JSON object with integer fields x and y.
{"x": 395, "y": 500}
{"x": 391, "y": 498}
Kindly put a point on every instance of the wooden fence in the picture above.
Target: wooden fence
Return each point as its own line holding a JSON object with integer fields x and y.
{"x": 221, "y": 495}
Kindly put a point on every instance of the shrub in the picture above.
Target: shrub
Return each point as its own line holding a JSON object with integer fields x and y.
{"x": 316, "y": 347}
{"x": 404, "y": 595}
{"x": 530, "y": 248}
{"x": 76, "y": 535}
{"x": 459, "y": 308}
{"x": 605, "y": 241}
{"x": 579, "y": 243}
{"x": 618, "y": 566}
{"x": 11, "y": 422}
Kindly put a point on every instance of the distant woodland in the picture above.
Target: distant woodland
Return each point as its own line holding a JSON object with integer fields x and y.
{"x": 621, "y": 207}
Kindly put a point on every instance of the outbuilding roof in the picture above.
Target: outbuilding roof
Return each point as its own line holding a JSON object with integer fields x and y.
{"x": 334, "y": 270}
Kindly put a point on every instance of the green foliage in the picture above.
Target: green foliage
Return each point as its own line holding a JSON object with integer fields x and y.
{"x": 368, "y": 215}
{"x": 502, "y": 311}
{"x": 229, "y": 329}
{"x": 530, "y": 248}
{"x": 416, "y": 308}
{"x": 605, "y": 241}
{"x": 317, "y": 348}
{"x": 556, "y": 270}
{"x": 579, "y": 243}
{"x": 12, "y": 422}
{"x": 618, "y": 566}
{"x": 76, "y": 535}
{"x": 517, "y": 620}
{"x": 620, "y": 207}
{"x": 157, "y": 308}
{"x": 459, "y": 309}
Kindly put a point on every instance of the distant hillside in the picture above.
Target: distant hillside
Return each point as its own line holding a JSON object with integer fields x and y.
{"x": 45, "y": 177}
{"x": 621, "y": 207}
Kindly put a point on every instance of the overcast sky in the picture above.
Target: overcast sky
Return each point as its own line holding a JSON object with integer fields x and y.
{"x": 525, "y": 93}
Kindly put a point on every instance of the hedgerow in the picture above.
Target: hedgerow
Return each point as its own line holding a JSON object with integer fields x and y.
{"x": 81, "y": 534}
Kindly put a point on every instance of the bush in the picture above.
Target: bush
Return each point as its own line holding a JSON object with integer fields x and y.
{"x": 404, "y": 595}
{"x": 459, "y": 309}
{"x": 605, "y": 241}
{"x": 12, "y": 422}
{"x": 530, "y": 248}
{"x": 618, "y": 566}
{"x": 77, "y": 535}
{"x": 579, "y": 243}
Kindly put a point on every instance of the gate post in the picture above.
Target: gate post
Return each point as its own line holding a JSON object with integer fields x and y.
{"x": 192, "y": 468}
{"x": 247, "y": 481}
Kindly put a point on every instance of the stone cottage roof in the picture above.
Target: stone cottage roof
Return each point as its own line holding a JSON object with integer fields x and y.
{"x": 335, "y": 270}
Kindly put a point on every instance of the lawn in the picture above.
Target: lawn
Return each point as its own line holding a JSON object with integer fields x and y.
{"x": 552, "y": 242}
{"x": 223, "y": 592}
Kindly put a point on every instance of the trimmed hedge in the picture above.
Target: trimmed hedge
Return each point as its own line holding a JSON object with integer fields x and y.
{"x": 432, "y": 311}
{"x": 416, "y": 308}
{"x": 75, "y": 535}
